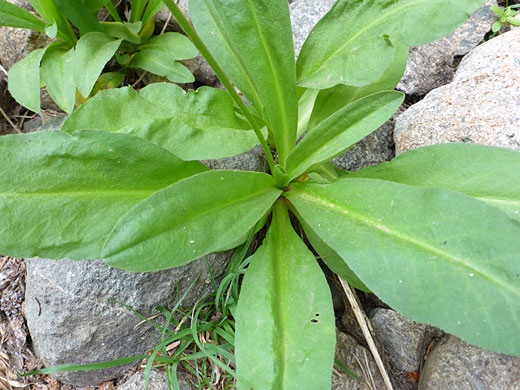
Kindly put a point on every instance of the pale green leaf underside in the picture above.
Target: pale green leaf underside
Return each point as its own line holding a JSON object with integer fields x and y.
{"x": 178, "y": 46}
{"x": 486, "y": 173}
{"x": 24, "y": 80}
{"x": 436, "y": 256}
{"x": 56, "y": 73}
{"x": 350, "y": 44}
{"x": 252, "y": 41}
{"x": 206, "y": 213}
{"x": 162, "y": 64}
{"x": 61, "y": 195}
{"x": 342, "y": 130}
{"x": 195, "y": 126}
{"x": 285, "y": 335}
{"x": 92, "y": 53}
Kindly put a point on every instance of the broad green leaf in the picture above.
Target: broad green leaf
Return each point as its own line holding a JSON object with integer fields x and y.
{"x": 24, "y": 80}
{"x": 352, "y": 44}
{"x": 62, "y": 194}
{"x": 487, "y": 173}
{"x": 94, "y": 5}
{"x": 176, "y": 45}
{"x": 92, "y": 52}
{"x": 80, "y": 15}
{"x": 436, "y": 256}
{"x": 209, "y": 212}
{"x": 56, "y": 73}
{"x": 14, "y": 16}
{"x": 252, "y": 40}
{"x": 332, "y": 99}
{"x": 48, "y": 10}
{"x": 162, "y": 64}
{"x": 335, "y": 263}
{"x": 195, "y": 126}
{"x": 127, "y": 31}
{"x": 342, "y": 130}
{"x": 285, "y": 328}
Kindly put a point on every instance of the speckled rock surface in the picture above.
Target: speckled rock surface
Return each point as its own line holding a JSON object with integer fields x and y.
{"x": 431, "y": 66}
{"x": 304, "y": 16}
{"x": 374, "y": 149}
{"x": 481, "y": 105}
{"x": 403, "y": 340}
{"x": 163, "y": 15}
{"x": 202, "y": 71}
{"x": 350, "y": 353}
{"x": 16, "y": 43}
{"x": 72, "y": 320}
{"x": 252, "y": 160}
{"x": 455, "y": 365}
{"x": 158, "y": 381}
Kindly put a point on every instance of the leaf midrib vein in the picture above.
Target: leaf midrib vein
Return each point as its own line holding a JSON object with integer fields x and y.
{"x": 360, "y": 31}
{"x": 460, "y": 261}
{"x": 198, "y": 215}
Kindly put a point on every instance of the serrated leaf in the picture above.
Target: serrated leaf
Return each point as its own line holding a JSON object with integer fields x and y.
{"x": 62, "y": 194}
{"x": 92, "y": 52}
{"x": 352, "y": 44}
{"x": 14, "y": 16}
{"x": 195, "y": 126}
{"x": 457, "y": 167}
{"x": 56, "y": 73}
{"x": 24, "y": 80}
{"x": 285, "y": 330}
{"x": 342, "y": 130}
{"x": 332, "y": 99}
{"x": 436, "y": 256}
{"x": 162, "y": 64}
{"x": 176, "y": 45}
{"x": 252, "y": 41}
{"x": 209, "y": 212}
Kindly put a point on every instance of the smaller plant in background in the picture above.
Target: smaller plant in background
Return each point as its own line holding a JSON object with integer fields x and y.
{"x": 72, "y": 69}
{"x": 506, "y": 16}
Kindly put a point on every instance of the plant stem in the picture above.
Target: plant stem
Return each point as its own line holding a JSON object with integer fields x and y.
{"x": 192, "y": 34}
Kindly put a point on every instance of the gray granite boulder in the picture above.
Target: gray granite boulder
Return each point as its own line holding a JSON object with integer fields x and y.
{"x": 455, "y": 365}
{"x": 72, "y": 318}
{"x": 404, "y": 341}
{"x": 360, "y": 361}
{"x": 433, "y": 65}
{"x": 374, "y": 149}
{"x": 252, "y": 160}
{"x": 481, "y": 105}
{"x": 304, "y": 16}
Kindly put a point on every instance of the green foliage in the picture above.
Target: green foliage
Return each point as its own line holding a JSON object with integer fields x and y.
{"x": 506, "y": 16}
{"x": 71, "y": 63}
{"x": 434, "y": 233}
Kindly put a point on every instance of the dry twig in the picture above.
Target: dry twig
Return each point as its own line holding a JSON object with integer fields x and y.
{"x": 366, "y": 332}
